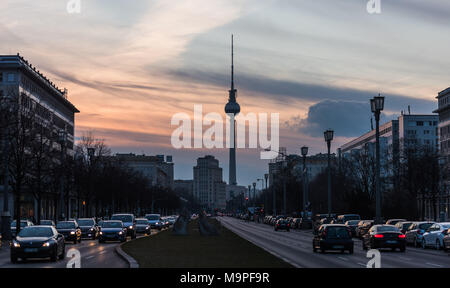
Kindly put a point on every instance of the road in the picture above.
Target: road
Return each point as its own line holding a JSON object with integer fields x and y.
{"x": 295, "y": 247}
{"x": 93, "y": 255}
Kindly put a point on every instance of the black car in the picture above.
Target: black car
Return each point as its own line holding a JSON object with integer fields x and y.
{"x": 112, "y": 230}
{"x": 333, "y": 237}
{"x": 89, "y": 228}
{"x": 38, "y": 242}
{"x": 384, "y": 236}
{"x": 282, "y": 224}
{"x": 70, "y": 230}
{"x": 143, "y": 226}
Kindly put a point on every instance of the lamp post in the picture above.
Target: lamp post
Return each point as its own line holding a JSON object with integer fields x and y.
{"x": 377, "y": 105}
{"x": 304, "y": 151}
{"x": 6, "y": 216}
{"x": 62, "y": 138}
{"x": 254, "y": 194}
{"x": 91, "y": 154}
{"x": 249, "y": 195}
{"x": 266, "y": 177}
{"x": 328, "y": 135}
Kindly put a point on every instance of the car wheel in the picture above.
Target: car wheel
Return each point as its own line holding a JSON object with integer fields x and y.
{"x": 13, "y": 259}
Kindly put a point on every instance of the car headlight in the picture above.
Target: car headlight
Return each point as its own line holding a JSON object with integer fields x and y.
{"x": 72, "y": 232}
{"x": 101, "y": 233}
{"x": 157, "y": 223}
{"x": 120, "y": 233}
{"x": 16, "y": 244}
{"x": 92, "y": 229}
{"x": 131, "y": 227}
{"x": 46, "y": 244}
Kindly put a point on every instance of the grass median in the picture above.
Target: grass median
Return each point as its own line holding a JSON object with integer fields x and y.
{"x": 228, "y": 250}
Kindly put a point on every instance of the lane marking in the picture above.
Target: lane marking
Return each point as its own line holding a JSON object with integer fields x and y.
{"x": 103, "y": 252}
{"x": 342, "y": 258}
{"x": 362, "y": 264}
{"x": 435, "y": 265}
{"x": 89, "y": 257}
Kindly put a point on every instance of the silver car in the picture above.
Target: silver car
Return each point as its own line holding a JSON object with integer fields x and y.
{"x": 415, "y": 232}
{"x": 434, "y": 236}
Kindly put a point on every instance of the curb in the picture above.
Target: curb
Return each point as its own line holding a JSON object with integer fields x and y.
{"x": 131, "y": 262}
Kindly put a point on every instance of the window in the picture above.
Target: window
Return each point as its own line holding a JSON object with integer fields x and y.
{"x": 1, "y": 77}
{"x": 419, "y": 123}
{"x": 10, "y": 77}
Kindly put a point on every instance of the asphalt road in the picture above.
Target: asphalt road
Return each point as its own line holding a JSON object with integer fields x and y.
{"x": 93, "y": 255}
{"x": 295, "y": 247}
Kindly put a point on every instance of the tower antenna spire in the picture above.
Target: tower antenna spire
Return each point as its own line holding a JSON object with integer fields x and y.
{"x": 232, "y": 63}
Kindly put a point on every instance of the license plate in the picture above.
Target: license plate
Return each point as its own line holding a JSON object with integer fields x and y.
{"x": 391, "y": 242}
{"x": 30, "y": 250}
{"x": 338, "y": 247}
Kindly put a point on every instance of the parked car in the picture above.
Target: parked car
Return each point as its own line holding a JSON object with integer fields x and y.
{"x": 112, "y": 230}
{"x": 384, "y": 236}
{"x": 415, "y": 233}
{"x": 394, "y": 221}
{"x": 333, "y": 237}
{"x": 38, "y": 242}
{"x": 403, "y": 226}
{"x": 47, "y": 223}
{"x": 143, "y": 226}
{"x": 23, "y": 224}
{"x": 282, "y": 224}
{"x": 89, "y": 228}
{"x": 155, "y": 221}
{"x": 352, "y": 224}
{"x": 341, "y": 219}
{"x": 446, "y": 241}
{"x": 128, "y": 221}
{"x": 362, "y": 230}
{"x": 434, "y": 236}
{"x": 70, "y": 230}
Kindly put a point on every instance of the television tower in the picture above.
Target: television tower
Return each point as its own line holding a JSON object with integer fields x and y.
{"x": 232, "y": 109}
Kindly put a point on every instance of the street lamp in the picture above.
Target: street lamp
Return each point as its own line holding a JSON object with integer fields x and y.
{"x": 266, "y": 177}
{"x": 62, "y": 138}
{"x": 328, "y": 135}
{"x": 304, "y": 151}
{"x": 377, "y": 105}
{"x": 254, "y": 194}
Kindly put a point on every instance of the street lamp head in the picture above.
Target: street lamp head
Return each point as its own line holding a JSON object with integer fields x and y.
{"x": 304, "y": 151}
{"x": 254, "y": 184}
{"x": 328, "y": 135}
{"x": 266, "y": 176}
{"x": 377, "y": 103}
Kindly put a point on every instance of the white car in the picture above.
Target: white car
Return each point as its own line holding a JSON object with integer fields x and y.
{"x": 434, "y": 235}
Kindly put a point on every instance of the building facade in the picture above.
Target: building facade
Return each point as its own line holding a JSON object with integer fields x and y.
{"x": 157, "y": 169}
{"x": 209, "y": 187}
{"x": 52, "y": 110}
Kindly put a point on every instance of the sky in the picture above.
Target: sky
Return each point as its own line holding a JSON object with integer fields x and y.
{"x": 130, "y": 66}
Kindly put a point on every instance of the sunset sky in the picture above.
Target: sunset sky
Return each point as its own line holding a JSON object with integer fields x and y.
{"x": 130, "y": 65}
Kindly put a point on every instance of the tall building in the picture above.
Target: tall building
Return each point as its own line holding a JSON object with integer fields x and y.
{"x": 232, "y": 108}
{"x": 444, "y": 144}
{"x": 185, "y": 186}
{"x": 156, "y": 169}
{"x": 55, "y": 113}
{"x": 209, "y": 188}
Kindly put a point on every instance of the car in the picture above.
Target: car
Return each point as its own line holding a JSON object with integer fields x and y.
{"x": 333, "y": 237}
{"x": 415, "y": 232}
{"x": 38, "y": 242}
{"x": 341, "y": 219}
{"x": 362, "y": 230}
{"x": 70, "y": 230}
{"x": 434, "y": 236}
{"x": 321, "y": 221}
{"x": 282, "y": 224}
{"x": 155, "y": 221}
{"x": 89, "y": 228}
{"x": 23, "y": 224}
{"x": 394, "y": 221}
{"x": 128, "y": 221}
{"x": 403, "y": 226}
{"x": 384, "y": 236}
{"x": 47, "y": 223}
{"x": 352, "y": 224}
{"x": 172, "y": 219}
{"x": 446, "y": 241}
{"x": 165, "y": 222}
{"x": 112, "y": 230}
{"x": 305, "y": 223}
{"x": 295, "y": 224}
{"x": 143, "y": 226}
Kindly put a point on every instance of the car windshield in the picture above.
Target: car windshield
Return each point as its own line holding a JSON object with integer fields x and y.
{"x": 352, "y": 217}
{"x": 353, "y": 222}
{"x": 425, "y": 226}
{"x": 123, "y": 218}
{"x": 114, "y": 224}
{"x": 22, "y": 223}
{"x": 337, "y": 232}
{"x": 36, "y": 232}
{"x": 86, "y": 222}
{"x": 387, "y": 229}
{"x": 152, "y": 217}
{"x": 46, "y": 222}
{"x": 446, "y": 226}
{"x": 142, "y": 222}
{"x": 406, "y": 225}
{"x": 65, "y": 225}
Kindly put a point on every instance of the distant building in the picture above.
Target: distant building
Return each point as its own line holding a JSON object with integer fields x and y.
{"x": 186, "y": 186}
{"x": 20, "y": 80}
{"x": 209, "y": 188}
{"x": 235, "y": 190}
{"x": 444, "y": 144}
{"x": 156, "y": 169}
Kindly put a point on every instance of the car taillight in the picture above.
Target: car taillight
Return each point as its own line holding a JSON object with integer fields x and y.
{"x": 378, "y": 235}
{"x": 401, "y": 236}
{"x": 288, "y": 226}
